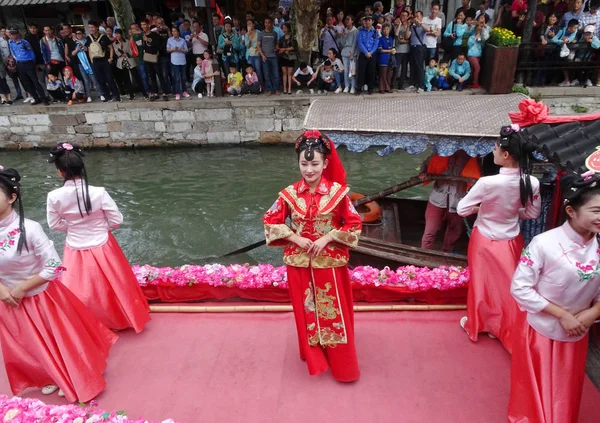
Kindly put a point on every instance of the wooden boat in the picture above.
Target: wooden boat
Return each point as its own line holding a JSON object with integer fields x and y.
{"x": 396, "y": 239}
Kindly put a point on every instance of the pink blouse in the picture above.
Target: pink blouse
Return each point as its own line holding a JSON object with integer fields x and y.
{"x": 557, "y": 267}
{"x": 41, "y": 258}
{"x": 90, "y": 230}
{"x": 498, "y": 197}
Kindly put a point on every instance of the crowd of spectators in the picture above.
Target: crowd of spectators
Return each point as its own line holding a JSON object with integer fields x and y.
{"x": 375, "y": 50}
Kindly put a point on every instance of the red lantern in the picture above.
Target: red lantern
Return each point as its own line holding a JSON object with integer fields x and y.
{"x": 173, "y": 4}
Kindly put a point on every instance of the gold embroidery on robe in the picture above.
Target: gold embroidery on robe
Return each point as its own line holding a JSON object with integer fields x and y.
{"x": 349, "y": 238}
{"x": 275, "y": 232}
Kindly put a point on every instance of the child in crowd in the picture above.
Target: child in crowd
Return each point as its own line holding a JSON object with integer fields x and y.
{"x": 326, "y": 76}
{"x": 234, "y": 80}
{"x": 460, "y": 71}
{"x": 251, "y": 82}
{"x": 55, "y": 88}
{"x": 338, "y": 68}
{"x": 303, "y": 78}
{"x": 565, "y": 37}
{"x": 476, "y": 42}
{"x": 587, "y": 54}
{"x": 74, "y": 89}
{"x": 431, "y": 75}
{"x": 198, "y": 84}
{"x": 208, "y": 74}
{"x": 442, "y": 79}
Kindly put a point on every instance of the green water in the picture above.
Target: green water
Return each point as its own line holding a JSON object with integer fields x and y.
{"x": 184, "y": 205}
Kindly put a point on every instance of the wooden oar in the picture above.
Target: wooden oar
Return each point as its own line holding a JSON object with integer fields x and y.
{"x": 415, "y": 180}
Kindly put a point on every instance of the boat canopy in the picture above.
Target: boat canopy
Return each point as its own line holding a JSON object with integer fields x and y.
{"x": 447, "y": 122}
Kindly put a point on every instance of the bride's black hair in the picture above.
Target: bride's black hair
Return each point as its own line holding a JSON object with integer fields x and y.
{"x": 68, "y": 158}
{"x": 10, "y": 184}
{"x": 514, "y": 143}
{"x": 312, "y": 141}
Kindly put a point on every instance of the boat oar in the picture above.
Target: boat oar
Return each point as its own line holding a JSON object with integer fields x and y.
{"x": 246, "y": 248}
{"x": 415, "y": 180}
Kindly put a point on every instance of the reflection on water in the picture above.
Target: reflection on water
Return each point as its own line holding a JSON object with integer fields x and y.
{"x": 185, "y": 205}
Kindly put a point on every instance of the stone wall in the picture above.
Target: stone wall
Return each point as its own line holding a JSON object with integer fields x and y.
{"x": 147, "y": 124}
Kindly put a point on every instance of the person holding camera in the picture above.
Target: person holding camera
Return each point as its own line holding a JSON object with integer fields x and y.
{"x": 417, "y": 52}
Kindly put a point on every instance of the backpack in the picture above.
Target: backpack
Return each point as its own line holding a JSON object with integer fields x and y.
{"x": 95, "y": 48}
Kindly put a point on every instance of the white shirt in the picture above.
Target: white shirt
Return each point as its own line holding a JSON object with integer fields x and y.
{"x": 435, "y": 25}
{"x": 500, "y": 209}
{"x": 557, "y": 267}
{"x": 299, "y": 71}
{"x": 90, "y": 230}
{"x": 41, "y": 259}
{"x": 197, "y": 46}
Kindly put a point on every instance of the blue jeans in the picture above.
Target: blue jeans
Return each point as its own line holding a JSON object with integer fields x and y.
{"x": 349, "y": 82}
{"x": 87, "y": 78}
{"x": 338, "y": 78}
{"x": 143, "y": 74}
{"x": 178, "y": 78}
{"x": 165, "y": 70}
{"x": 271, "y": 72}
{"x": 256, "y": 63}
{"x": 431, "y": 54}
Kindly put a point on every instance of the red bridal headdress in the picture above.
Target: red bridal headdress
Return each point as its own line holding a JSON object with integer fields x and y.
{"x": 313, "y": 140}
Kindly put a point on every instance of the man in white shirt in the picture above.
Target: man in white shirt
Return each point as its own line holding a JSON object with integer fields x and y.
{"x": 433, "y": 27}
{"x": 485, "y": 8}
{"x": 199, "y": 40}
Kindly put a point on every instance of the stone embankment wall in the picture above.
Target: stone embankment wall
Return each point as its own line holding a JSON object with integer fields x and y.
{"x": 146, "y": 124}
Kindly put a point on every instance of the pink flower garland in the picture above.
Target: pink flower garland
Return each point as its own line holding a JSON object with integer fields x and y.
{"x": 264, "y": 275}
{"x": 29, "y": 410}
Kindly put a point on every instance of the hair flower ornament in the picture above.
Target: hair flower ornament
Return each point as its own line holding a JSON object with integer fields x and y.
{"x": 1, "y": 168}
{"x": 588, "y": 175}
{"x": 515, "y": 127}
{"x": 67, "y": 146}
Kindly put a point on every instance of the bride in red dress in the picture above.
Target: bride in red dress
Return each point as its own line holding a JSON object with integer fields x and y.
{"x": 324, "y": 224}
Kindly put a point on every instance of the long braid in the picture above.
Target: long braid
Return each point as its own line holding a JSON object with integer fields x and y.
{"x": 526, "y": 190}
{"x": 23, "y": 236}
{"x": 69, "y": 160}
{"x": 10, "y": 180}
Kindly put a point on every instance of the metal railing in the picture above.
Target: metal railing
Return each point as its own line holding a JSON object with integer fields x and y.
{"x": 540, "y": 64}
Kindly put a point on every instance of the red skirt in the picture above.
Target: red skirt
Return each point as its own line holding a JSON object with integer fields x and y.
{"x": 52, "y": 339}
{"x": 546, "y": 379}
{"x": 102, "y": 279}
{"x": 341, "y": 357}
{"x": 490, "y": 306}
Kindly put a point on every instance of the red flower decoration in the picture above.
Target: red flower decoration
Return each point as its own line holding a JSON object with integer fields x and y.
{"x": 531, "y": 112}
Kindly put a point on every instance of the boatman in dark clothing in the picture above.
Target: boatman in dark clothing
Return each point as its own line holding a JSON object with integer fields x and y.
{"x": 441, "y": 207}
{"x": 24, "y": 55}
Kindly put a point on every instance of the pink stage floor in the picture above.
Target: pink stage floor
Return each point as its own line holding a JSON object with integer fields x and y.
{"x": 416, "y": 367}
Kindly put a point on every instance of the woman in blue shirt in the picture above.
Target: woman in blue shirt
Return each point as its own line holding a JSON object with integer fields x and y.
{"x": 177, "y": 48}
{"x": 229, "y": 45}
{"x": 455, "y": 31}
{"x": 385, "y": 59}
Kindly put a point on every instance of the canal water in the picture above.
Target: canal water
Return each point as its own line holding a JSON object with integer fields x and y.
{"x": 188, "y": 206}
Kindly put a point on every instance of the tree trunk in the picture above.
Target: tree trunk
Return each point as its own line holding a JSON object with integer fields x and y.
{"x": 305, "y": 21}
{"x": 123, "y": 14}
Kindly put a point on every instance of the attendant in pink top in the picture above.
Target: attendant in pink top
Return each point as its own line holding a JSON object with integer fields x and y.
{"x": 496, "y": 242}
{"x": 48, "y": 337}
{"x": 558, "y": 284}
{"x": 97, "y": 270}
